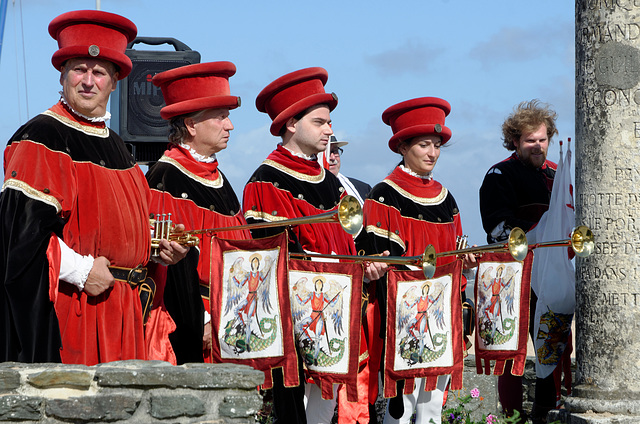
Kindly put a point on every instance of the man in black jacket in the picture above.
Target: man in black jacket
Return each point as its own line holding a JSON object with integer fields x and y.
{"x": 515, "y": 193}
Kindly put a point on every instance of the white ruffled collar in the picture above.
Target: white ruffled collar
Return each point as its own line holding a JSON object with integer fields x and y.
{"x": 300, "y": 155}
{"x": 429, "y": 176}
{"x": 102, "y": 118}
{"x": 197, "y": 156}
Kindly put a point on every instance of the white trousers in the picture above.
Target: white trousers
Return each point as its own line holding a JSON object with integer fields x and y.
{"x": 427, "y": 405}
{"x": 318, "y": 410}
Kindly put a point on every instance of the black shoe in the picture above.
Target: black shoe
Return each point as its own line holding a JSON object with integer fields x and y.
{"x": 396, "y": 406}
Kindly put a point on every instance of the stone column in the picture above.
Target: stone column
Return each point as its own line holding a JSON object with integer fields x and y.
{"x": 608, "y": 200}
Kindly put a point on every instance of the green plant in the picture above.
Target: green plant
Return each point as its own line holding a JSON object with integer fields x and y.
{"x": 461, "y": 414}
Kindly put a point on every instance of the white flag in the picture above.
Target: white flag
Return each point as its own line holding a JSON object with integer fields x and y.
{"x": 553, "y": 275}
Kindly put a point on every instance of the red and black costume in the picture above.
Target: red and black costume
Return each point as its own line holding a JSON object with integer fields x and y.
{"x": 69, "y": 178}
{"x": 514, "y": 194}
{"x": 287, "y": 186}
{"x": 198, "y": 195}
{"x": 404, "y": 213}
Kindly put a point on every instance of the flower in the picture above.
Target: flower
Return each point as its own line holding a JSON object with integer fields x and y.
{"x": 475, "y": 393}
{"x": 492, "y": 419}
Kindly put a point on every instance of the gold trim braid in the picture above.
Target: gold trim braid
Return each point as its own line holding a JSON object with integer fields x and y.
{"x": 424, "y": 201}
{"x": 295, "y": 174}
{"x": 386, "y": 234}
{"x": 217, "y": 183}
{"x": 263, "y": 216}
{"x": 32, "y": 193}
{"x": 89, "y": 130}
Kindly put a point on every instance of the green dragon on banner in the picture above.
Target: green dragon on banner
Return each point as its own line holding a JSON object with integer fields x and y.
{"x": 234, "y": 336}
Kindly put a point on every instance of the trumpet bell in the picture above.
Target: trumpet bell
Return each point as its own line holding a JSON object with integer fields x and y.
{"x": 518, "y": 244}
{"x": 582, "y": 241}
{"x": 350, "y": 215}
{"x": 429, "y": 261}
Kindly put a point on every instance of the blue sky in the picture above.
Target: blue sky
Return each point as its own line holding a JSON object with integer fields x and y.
{"x": 483, "y": 57}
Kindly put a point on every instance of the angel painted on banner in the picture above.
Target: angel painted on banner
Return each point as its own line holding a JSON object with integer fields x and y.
{"x": 420, "y": 316}
{"x": 248, "y": 293}
{"x": 311, "y": 331}
{"x": 497, "y": 300}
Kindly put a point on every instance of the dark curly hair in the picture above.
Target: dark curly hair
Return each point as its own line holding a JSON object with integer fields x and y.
{"x": 526, "y": 118}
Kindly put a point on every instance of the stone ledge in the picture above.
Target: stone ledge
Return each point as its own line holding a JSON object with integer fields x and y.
{"x": 93, "y": 408}
{"x": 566, "y": 417}
{"x": 167, "y": 406}
{"x": 9, "y": 380}
{"x": 74, "y": 379}
{"x": 240, "y": 406}
{"x": 595, "y": 405}
{"x": 18, "y": 407}
{"x": 192, "y": 376}
{"x": 133, "y": 392}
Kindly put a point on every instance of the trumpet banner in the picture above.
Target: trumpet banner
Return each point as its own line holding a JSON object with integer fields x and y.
{"x": 501, "y": 293}
{"x": 424, "y": 335}
{"x": 326, "y": 305}
{"x": 250, "y": 310}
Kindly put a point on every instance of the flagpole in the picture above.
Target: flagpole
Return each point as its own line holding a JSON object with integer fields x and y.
{"x": 3, "y": 15}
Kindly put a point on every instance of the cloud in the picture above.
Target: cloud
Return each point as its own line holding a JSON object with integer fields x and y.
{"x": 413, "y": 57}
{"x": 517, "y": 45}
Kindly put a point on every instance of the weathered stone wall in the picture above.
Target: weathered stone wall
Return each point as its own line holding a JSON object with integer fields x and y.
{"x": 607, "y": 194}
{"x": 129, "y": 392}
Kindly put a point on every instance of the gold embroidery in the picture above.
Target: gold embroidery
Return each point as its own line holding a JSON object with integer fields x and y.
{"x": 32, "y": 193}
{"x": 386, "y": 234}
{"x": 89, "y": 130}
{"x": 424, "y": 201}
{"x": 295, "y": 174}
{"x": 217, "y": 183}
{"x": 263, "y": 216}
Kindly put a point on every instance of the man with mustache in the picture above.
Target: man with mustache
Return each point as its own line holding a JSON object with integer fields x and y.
{"x": 516, "y": 193}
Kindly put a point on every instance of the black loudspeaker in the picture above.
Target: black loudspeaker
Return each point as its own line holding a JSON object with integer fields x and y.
{"x": 136, "y": 104}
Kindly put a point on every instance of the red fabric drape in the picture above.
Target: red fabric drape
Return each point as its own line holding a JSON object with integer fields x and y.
{"x": 502, "y": 312}
{"x": 424, "y": 328}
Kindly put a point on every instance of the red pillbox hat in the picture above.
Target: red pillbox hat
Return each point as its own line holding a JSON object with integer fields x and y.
{"x": 93, "y": 34}
{"x": 196, "y": 87}
{"x": 294, "y": 93}
{"x": 416, "y": 117}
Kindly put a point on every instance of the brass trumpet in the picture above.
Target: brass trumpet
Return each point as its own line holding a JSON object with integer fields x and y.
{"x": 164, "y": 229}
{"x": 517, "y": 246}
{"x": 581, "y": 241}
{"x": 423, "y": 261}
{"x": 348, "y": 214}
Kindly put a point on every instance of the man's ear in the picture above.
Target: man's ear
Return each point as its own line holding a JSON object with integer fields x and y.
{"x": 115, "y": 81}
{"x": 291, "y": 125}
{"x": 190, "y": 125}
{"x": 62, "y": 71}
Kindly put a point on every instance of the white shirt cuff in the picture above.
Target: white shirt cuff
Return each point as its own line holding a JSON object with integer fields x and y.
{"x": 74, "y": 267}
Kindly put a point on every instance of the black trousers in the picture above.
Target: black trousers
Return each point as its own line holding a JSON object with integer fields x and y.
{"x": 288, "y": 402}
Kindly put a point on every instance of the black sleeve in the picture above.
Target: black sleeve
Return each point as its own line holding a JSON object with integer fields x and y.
{"x": 498, "y": 202}
{"x": 27, "y": 317}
